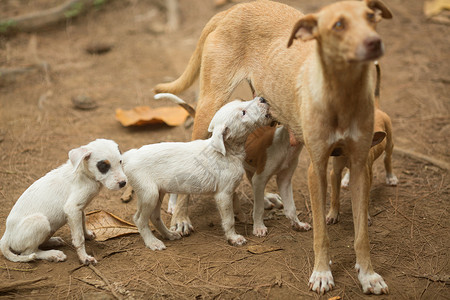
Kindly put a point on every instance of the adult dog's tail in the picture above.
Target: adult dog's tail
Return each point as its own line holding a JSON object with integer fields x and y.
{"x": 178, "y": 101}
{"x": 4, "y": 246}
{"x": 193, "y": 68}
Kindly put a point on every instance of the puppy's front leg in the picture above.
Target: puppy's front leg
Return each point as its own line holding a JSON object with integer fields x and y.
{"x": 224, "y": 202}
{"x": 88, "y": 234}
{"x": 75, "y": 220}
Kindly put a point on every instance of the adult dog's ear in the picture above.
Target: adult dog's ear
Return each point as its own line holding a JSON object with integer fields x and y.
{"x": 378, "y": 137}
{"x": 76, "y": 156}
{"x": 305, "y": 29}
{"x": 219, "y": 134}
{"x": 379, "y": 8}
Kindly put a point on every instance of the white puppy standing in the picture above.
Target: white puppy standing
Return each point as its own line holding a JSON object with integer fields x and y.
{"x": 59, "y": 198}
{"x": 212, "y": 166}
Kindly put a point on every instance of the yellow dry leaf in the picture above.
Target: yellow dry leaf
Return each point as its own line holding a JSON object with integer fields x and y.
{"x": 260, "y": 249}
{"x": 143, "y": 115}
{"x": 433, "y": 8}
{"x": 106, "y": 226}
{"x": 335, "y": 298}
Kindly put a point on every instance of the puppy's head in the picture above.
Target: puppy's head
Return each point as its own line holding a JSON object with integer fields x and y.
{"x": 102, "y": 160}
{"x": 236, "y": 120}
{"x": 345, "y": 31}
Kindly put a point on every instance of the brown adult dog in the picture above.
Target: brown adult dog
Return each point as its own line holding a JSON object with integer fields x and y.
{"x": 320, "y": 87}
{"x": 382, "y": 142}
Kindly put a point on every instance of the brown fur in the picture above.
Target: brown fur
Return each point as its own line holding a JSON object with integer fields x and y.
{"x": 320, "y": 87}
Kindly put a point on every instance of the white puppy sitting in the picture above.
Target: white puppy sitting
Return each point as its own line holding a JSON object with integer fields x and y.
{"x": 212, "y": 166}
{"x": 59, "y": 197}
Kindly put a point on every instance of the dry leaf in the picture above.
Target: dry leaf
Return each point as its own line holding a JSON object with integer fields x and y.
{"x": 260, "y": 249}
{"x": 335, "y": 298}
{"x": 107, "y": 226}
{"x": 433, "y": 8}
{"x": 143, "y": 115}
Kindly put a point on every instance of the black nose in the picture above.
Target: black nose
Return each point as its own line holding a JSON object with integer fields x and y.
{"x": 373, "y": 43}
{"x": 122, "y": 184}
{"x": 262, "y": 100}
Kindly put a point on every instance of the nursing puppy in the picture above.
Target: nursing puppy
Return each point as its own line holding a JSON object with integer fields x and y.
{"x": 59, "y": 198}
{"x": 268, "y": 152}
{"x": 314, "y": 72}
{"x": 211, "y": 166}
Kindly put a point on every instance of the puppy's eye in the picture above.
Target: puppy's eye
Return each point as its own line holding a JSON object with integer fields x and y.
{"x": 339, "y": 25}
{"x": 244, "y": 112}
{"x": 103, "y": 166}
{"x": 120, "y": 162}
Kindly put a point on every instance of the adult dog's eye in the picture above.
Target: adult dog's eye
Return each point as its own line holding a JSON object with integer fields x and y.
{"x": 103, "y": 166}
{"x": 244, "y": 112}
{"x": 371, "y": 17}
{"x": 339, "y": 25}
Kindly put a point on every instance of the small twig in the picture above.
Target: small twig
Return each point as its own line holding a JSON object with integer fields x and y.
{"x": 16, "y": 269}
{"x": 18, "y": 283}
{"x": 437, "y": 162}
{"x": 106, "y": 281}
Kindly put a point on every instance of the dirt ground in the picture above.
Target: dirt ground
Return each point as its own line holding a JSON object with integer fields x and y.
{"x": 410, "y": 236}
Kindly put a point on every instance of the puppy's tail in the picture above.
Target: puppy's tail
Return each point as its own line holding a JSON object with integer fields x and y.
{"x": 193, "y": 68}
{"x": 4, "y": 246}
{"x": 377, "y": 85}
{"x": 178, "y": 101}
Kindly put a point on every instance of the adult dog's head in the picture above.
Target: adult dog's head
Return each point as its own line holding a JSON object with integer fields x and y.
{"x": 345, "y": 31}
{"x": 232, "y": 123}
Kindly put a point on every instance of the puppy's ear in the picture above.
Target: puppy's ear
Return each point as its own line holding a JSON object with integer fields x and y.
{"x": 305, "y": 29}
{"x": 219, "y": 134}
{"x": 378, "y": 137}
{"x": 76, "y": 156}
{"x": 379, "y": 8}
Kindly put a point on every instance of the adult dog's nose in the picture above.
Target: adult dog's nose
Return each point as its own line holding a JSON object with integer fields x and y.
{"x": 373, "y": 44}
{"x": 122, "y": 184}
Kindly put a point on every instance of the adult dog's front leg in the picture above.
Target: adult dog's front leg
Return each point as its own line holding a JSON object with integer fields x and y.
{"x": 321, "y": 279}
{"x": 360, "y": 185}
{"x": 75, "y": 220}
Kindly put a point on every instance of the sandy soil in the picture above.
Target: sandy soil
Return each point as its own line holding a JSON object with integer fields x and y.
{"x": 410, "y": 235}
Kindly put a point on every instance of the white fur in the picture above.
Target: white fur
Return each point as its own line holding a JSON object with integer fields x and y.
{"x": 371, "y": 283}
{"x": 59, "y": 198}
{"x": 282, "y": 160}
{"x": 212, "y": 166}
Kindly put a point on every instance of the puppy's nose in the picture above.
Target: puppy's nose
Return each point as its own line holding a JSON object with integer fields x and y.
{"x": 122, "y": 184}
{"x": 262, "y": 100}
{"x": 373, "y": 43}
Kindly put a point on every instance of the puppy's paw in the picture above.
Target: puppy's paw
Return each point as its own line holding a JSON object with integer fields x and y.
{"x": 260, "y": 230}
{"x": 237, "y": 240}
{"x": 372, "y": 283}
{"x": 332, "y": 217}
{"x": 184, "y": 227}
{"x": 173, "y": 235}
{"x": 89, "y": 235}
{"x": 87, "y": 260}
{"x": 155, "y": 244}
{"x": 272, "y": 201}
{"x": 391, "y": 180}
{"x": 345, "y": 181}
{"x": 300, "y": 226}
{"x": 321, "y": 282}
